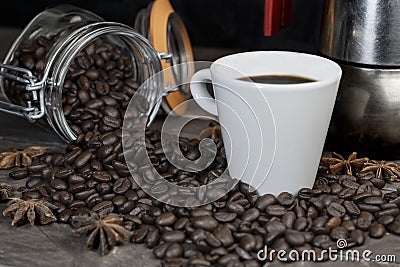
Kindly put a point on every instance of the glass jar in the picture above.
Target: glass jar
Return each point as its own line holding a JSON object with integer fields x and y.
{"x": 33, "y": 76}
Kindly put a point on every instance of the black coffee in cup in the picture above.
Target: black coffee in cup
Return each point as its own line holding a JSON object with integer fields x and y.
{"x": 277, "y": 79}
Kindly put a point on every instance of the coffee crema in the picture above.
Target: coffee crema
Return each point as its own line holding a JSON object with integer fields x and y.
{"x": 277, "y": 79}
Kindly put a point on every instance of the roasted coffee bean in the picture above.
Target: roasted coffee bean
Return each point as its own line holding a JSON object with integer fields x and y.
{"x": 111, "y": 121}
{"x": 294, "y": 238}
{"x": 394, "y": 227}
{"x": 338, "y": 232}
{"x": 102, "y": 88}
{"x": 93, "y": 200}
{"x": 173, "y": 236}
{"x": 289, "y": 219}
{"x": 299, "y": 211}
{"x": 82, "y": 195}
{"x": 352, "y": 208}
{"x": 336, "y": 210}
{"x": 174, "y": 250}
{"x": 333, "y": 222}
{"x": 119, "y": 200}
{"x": 312, "y": 212}
{"x": 58, "y": 184}
{"x": 72, "y": 156}
{"x": 33, "y": 182}
{"x": 127, "y": 207}
{"x": 82, "y": 159}
{"x": 378, "y": 183}
{"x": 359, "y": 197}
{"x": 300, "y": 224}
{"x": 19, "y": 174}
{"x": 224, "y": 234}
{"x": 36, "y": 168}
{"x": 66, "y": 197}
{"x": 389, "y": 205}
{"x": 374, "y": 200}
{"x": 377, "y": 230}
{"x": 346, "y": 193}
{"x": 234, "y": 207}
{"x": 121, "y": 186}
{"x": 75, "y": 178}
{"x": 166, "y": 219}
{"x": 159, "y": 251}
{"x": 95, "y": 104}
{"x": 200, "y": 212}
{"x": 198, "y": 235}
{"x": 248, "y": 242}
{"x": 77, "y": 204}
{"x": 350, "y": 184}
{"x": 285, "y": 199}
{"x": 102, "y": 176}
{"x": 104, "y": 151}
{"x": 199, "y": 262}
{"x": 103, "y": 208}
{"x": 225, "y": 260}
{"x": 139, "y": 235}
{"x": 250, "y": 215}
{"x": 368, "y": 207}
{"x": 111, "y": 111}
{"x": 109, "y": 101}
{"x": 275, "y": 226}
{"x": 390, "y": 211}
{"x": 31, "y": 195}
{"x": 225, "y": 216}
{"x": 243, "y": 254}
{"x": 319, "y": 240}
{"x": 276, "y": 210}
{"x": 358, "y": 236}
{"x": 336, "y": 188}
{"x": 65, "y": 216}
{"x": 207, "y": 223}
{"x": 385, "y": 219}
{"x": 364, "y": 220}
{"x": 109, "y": 139}
{"x": 264, "y": 201}
{"x": 349, "y": 225}
{"x": 181, "y": 223}
{"x": 152, "y": 239}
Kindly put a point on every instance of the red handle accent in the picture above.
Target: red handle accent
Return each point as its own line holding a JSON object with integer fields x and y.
{"x": 277, "y": 13}
{"x": 272, "y": 17}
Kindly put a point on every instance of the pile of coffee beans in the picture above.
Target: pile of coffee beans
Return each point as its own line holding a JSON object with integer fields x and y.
{"x": 92, "y": 177}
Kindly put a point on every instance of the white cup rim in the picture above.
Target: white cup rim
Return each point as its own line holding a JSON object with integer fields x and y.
{"x": 334, "y": 76}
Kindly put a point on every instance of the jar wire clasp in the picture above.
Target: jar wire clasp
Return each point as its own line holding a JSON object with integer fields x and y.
{"x": 33, "y": 86}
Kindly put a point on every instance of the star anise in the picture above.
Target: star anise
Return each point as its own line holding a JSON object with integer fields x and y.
{"x": 33, "y": 210}
{"x": 18, "y": 158}
{"x": 383, "y": 169}
{"x": 213, "y": 131}
{"x": 103, "y": 233}
{"x": 5, "y": 191}
{"x": 337, "y": 163}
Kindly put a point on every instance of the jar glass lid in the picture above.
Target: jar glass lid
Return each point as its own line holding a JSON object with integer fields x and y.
{"x": 168, "y": 35}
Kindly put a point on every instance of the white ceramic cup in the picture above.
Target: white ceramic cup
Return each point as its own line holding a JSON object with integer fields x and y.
{"x": 273, "y": 133}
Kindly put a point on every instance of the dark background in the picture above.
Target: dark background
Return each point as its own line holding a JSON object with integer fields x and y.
{"x": 210, "y": 23}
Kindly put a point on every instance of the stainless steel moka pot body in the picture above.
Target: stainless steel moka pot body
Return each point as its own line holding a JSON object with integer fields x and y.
{"x": 363, "y": 36}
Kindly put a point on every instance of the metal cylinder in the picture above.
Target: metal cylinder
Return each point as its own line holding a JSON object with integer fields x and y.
{"x": 362, "y": 31}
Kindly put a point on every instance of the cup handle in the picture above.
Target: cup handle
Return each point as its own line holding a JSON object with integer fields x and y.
{"x": 199, "y": 91}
